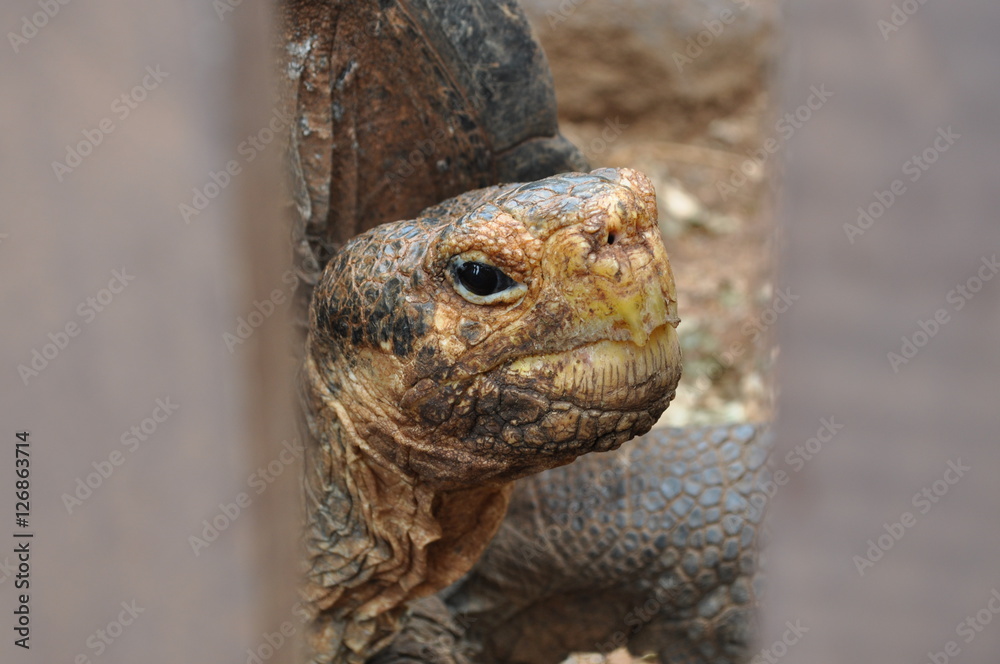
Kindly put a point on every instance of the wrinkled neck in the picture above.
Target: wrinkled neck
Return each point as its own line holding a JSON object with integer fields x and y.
{"x": 377, "y": 538}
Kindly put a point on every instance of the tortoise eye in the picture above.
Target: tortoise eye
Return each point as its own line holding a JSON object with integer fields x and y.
{"x": 482, "y": 279}
{"x": 481, "y": 283}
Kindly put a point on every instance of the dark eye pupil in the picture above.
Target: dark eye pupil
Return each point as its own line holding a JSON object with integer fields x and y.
{"x": 482, "y": 279}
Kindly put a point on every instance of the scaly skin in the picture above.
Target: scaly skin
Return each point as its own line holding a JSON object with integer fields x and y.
{"x": 653, "y": 546}
{"x": 425, "y": 405}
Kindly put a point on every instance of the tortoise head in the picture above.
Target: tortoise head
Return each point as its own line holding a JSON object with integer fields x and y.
{"x": 503, "y": 332}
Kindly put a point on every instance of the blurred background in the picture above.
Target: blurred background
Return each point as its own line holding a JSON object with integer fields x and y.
{"x": 828, "y": 196}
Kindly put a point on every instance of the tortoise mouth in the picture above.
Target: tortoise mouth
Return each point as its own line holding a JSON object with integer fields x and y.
{"x": 606, "y": 374}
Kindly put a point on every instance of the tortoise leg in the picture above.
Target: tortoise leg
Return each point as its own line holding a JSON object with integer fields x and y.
{"x": 653, "y": 546}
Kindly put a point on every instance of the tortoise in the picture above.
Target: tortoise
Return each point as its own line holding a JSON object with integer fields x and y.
{"x": 482, "y": 310}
